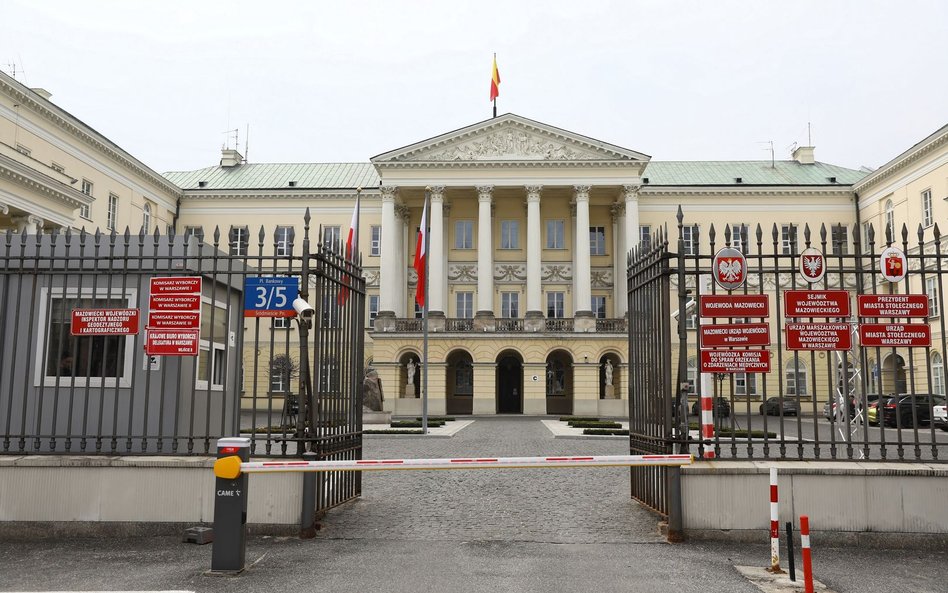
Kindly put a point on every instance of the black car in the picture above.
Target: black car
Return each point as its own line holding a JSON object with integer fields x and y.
{"x": 721, "y": 407}
{"x": 771, "y": 407}
{"x": 898, "y": 410}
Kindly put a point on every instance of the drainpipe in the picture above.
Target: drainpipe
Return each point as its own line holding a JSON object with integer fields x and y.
{"x": 177, "y": 213}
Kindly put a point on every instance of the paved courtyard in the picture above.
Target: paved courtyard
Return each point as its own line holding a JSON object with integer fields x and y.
{"x": 480, "y": 530}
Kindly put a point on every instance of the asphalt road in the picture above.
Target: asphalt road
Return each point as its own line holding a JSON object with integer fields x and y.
{"x": 511, "y": 530}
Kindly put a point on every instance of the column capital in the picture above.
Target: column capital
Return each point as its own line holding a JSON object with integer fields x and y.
{"x": 485, "y": 193}
{"x": 4, "y": 209}
{"x": 26, "y": 219}
{"x": 402, "y": 211}
{"x": 388, "y": 192}
{"x": 617, "y": 209}
{"x": 533, "y": 192}
{"x": 436, "y": 192}
{"x": 581, "y": 192}
{"x": 631, "y": 191}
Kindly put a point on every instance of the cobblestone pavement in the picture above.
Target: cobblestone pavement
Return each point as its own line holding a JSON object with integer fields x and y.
{"x": 582, "y": 505}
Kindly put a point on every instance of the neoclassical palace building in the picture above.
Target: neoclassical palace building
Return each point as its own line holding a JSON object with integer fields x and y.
{"x": 530, "y": 227}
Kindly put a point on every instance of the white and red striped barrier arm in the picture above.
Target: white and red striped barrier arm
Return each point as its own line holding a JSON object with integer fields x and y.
{"x": 707, "y": 425}
{"x": 805, "y": 547}
{"x": 774, "y": 523}
{"x": 255, "y": 467}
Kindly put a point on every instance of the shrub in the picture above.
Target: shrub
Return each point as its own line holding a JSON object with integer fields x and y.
{"x": 606, "y": 431}
{"x": 598, "y": 424}
{"x": 437, "y": 419}
{"x": 414, "y": 424}
{"x": 402, "y": 431}
{"x": 579, "y": 419}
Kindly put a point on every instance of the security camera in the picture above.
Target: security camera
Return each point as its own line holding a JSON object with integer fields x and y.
{"x": 303, "y": 309}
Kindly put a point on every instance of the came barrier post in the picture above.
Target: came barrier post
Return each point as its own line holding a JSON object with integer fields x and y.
{"x": 774, "y": 524}
{"x": 230, "y": 511}
{"x": 805, "y": 549}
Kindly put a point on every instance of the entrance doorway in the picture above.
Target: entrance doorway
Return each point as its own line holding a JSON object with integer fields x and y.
{"x": 459, "y": 386}
{"x": 559, "y": 383}
{"x": 509, "y": 383}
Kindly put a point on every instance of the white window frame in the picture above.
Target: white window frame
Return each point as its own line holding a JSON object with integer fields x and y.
{"x": 510, "y": 305}
{"x": 281, "y": 238}
{"x": 332, "y": 237}
{"x": 938, "y": 373}
{"x": 736, "y": 238}
{"x": 130, "y": 296}
{"x": 193, "y": 231}
{"x": 510, "y": 234}
{"x": 691, "y": 376}
{"x": 645, "y": 234}
{"x": 599, "y": 312}
{"x": 373, "y": 303}
{"x": 375, "y": 245}
{"x": 555, "y": 234}
{"x": 281, "y": 323}
{"x": 238, "y": 242}
{"x": 745, "y": 384}
{"x": 691, "y": 321}
{"x": 556, "y": 302}
{"x": 927, "y": 215}
{"x": 146, "y": 217}
{"x": 212, "y": 347}
{"x": 464, "y": 303}
{"x": 595, "y": 246}
{"x": 280, "y": 387}
{"x": 112, "y": 213}
{"x": 799, "y": 368}
{"x": 464, "y": 234}
{"x": 841, "y": 248}
{"x": 688, "y": 239}
{"x": 865, "y": 235}
{"x": 931, "y": 291}
{"x": 889, "y": 220}
{"x": 788, "y": 238}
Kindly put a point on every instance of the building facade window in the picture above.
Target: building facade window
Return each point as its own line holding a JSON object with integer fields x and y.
{"x": 692, "y": 376}
{"x": 840, "y": 236}
{"x": 938, "y": 374}
{"x": 555, "y": 305}
{"x": 737, "y": 239}
{"x": 283, "y": 238}
{"x": 931, "y": 290}
{"x": 796, "y": 378}
{"x": 555, "y": 234}
{"x": 419, "y": 310}
{"x": 146, "y": 217}
{"x": 689, "y": 235}
{"x": 331, "y": 237}
{"x": 112, "y": 215}
{"x": 788, "y": 239}
{"x": 465, "y": 305}
{"x": 597, "y": 240}
{"x": 745, "y": 384}
{"x": 889, "y": 218}
{"x": 86, "y": 189}
{"x": 376, "y": 244}
{"x": 691, "y": 321}
{"x": 281, "y": 323}
{"x": 373, "y": 308}
{"x": 865, "y": 235}
{"x": 464, "y": 234}
{"x": 510, "y": 305}
{"x": 212, "y": 358}
{"x": 509, "y": 234}
{"x": 599, "y": 306}
{"x": 193, "y": 231}
{"x": 645, "y": 235}
{"x": 927, "y": 219}
{"x": 238, "y": 240}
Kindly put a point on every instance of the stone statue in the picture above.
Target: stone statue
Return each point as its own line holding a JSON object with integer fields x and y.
{"x": 372, "y": 397}
{"x": 608, "y": 366}
{"x": 411, "y": 371}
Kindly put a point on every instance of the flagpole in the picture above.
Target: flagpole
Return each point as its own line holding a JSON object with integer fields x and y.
{"x": 424, "y": 376}
{"x": 492, "y": 79}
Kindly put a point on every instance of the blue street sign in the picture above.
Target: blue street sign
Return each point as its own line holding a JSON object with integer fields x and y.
{"x": 270, "y": 296}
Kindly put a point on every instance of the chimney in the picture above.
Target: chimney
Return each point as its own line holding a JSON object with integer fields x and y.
{"x": 42, "y": 93}
{"x": 231, "y": 158}
{"x": 804, "y": 155}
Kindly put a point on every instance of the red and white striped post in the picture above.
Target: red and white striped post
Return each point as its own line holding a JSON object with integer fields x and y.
{"x": 774, "y": 524}
{"x": 707, "y": 424}
{"x": 807, "y": 560}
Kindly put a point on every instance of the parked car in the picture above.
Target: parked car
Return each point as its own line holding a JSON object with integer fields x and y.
{"x": 771, "y": 407}
{"x": 721, "y": 407}
{"x": 829, "y": 408}
{"x": 940, "y": 416}
{"x": 898, "y": 410}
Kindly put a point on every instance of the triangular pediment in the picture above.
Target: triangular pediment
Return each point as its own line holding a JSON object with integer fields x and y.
{"x": 509, "y": 138}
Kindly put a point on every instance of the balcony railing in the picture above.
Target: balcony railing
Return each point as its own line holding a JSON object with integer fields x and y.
{"x": 510, "y": 325}
{"x": 458, "y": 325}
{"x": 409, "y": 325}
{"x": 503, "y": 325}
{"x": 612, "y": 326}
{"x": 559, "y": 325}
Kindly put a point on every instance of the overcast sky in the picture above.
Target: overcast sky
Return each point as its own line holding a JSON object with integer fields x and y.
{"x": 344, "y": 81}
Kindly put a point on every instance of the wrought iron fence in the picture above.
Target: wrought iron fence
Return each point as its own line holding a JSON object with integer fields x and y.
{"x": 841, "y": 385}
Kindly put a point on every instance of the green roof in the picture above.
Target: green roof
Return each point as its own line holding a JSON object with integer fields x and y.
{"x": 279, "y": 176}
{"x": 676, "y": 173}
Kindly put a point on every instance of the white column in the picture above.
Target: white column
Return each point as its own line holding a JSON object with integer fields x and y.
{"x": 485, "y": 252}
{"x": 391, "y": 237}
{"x": 534, "y": 252}
{"x": 435, "y": 253}
{"x": 28, "y": 224}
{"x": 620, "y": 269}
{"x": 406, "y": 242}
{"x": 630, "y": 195}
{"x": 582, "y": 296}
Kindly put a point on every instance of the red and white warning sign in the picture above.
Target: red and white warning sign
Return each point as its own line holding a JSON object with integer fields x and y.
{"x": 736, "y": 334}
{"x": 892, "y": 305}
{"x": 104, "y": 322}
{"x": 819, "y": 336}
{"x": 895, "y": 334}
{"x": 174, "y": 316}
{"x": 816, "y": 303}
{"x": 735, "y": 361}
{"x": 734, "y": 305}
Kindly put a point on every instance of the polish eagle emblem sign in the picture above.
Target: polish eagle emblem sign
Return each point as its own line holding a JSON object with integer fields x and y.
{"x": 730, "y": 268}
{"x": 812, "y": 265}
{"x": 894, "y": 264}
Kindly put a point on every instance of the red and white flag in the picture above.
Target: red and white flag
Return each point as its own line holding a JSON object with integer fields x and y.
{"x": 420, "y": 257}
{"x": 352, "y": 244}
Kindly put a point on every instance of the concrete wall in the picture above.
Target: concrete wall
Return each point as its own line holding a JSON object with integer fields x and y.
{"x": 845, "y": 501}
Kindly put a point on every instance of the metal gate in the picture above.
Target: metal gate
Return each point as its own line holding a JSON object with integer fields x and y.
{"x": 292, "y": 384}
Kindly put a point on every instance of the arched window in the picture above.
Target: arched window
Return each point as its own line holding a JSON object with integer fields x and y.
{"x": 938, "y": 374}
{"x": 464, "y": 378}
{"x": 692, "y": 375}
{"x": 889, "y": 219}
{"x": 146, "y": 217}
{"x": 796, "y": 377}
